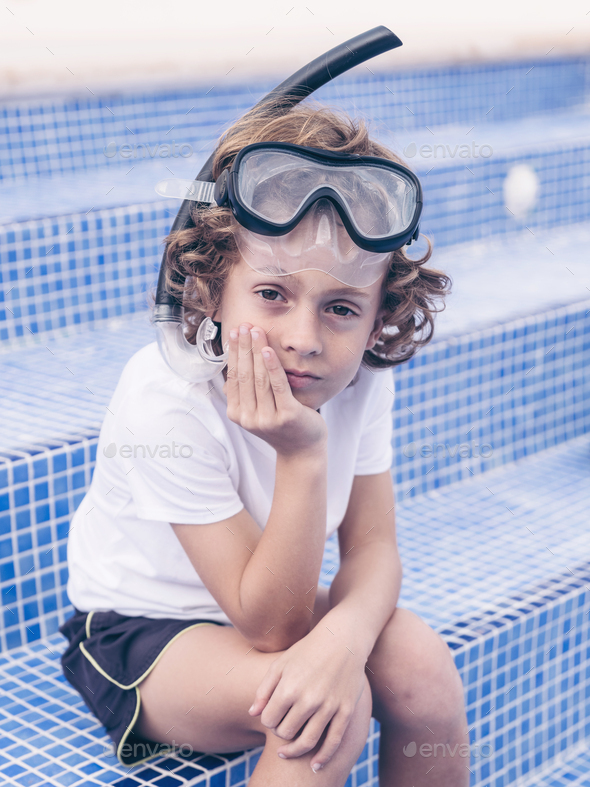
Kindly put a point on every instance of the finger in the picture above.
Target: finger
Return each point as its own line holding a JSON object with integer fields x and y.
{"x": 264, "y": 395}
{"x": 278, "y": 380}
{"x": 246, "y": 373}
{"x": 333, "y": 739}
{"x": 294, "y": 723}
{"x": 265, "y": 691}
{"x": 232, "y": 387}
{"x": 314, "y": 729}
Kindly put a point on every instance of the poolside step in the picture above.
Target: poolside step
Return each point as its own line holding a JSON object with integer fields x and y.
{"x": 62, "y": 134}
{"x": 572, "y": 769}
{"x": 62, "y": 385}
{"x": 516, "y": 636}
{"x": 467, "y": 546}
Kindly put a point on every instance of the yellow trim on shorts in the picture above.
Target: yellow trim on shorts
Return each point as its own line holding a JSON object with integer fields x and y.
{"x": 134, "y": 685}
{"x": 88, "y": 619}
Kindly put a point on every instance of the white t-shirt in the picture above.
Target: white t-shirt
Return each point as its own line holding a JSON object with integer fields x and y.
{"x": 167, "y": 452}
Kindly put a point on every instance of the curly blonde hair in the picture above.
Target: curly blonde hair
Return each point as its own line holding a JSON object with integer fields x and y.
{"x": 205, "y": 253}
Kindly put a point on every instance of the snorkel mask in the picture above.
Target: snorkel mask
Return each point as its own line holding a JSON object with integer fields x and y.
{"x": 296, "y": 208}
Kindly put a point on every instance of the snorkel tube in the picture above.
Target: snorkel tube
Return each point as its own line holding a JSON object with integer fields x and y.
{"x": 198, "y": 362}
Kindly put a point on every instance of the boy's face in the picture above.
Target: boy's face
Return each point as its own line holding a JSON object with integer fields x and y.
{"x": 312, "y": 321}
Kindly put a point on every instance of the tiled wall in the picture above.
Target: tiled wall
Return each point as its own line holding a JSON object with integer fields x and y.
{"x": 39, "y": 493}
{"x": 526, "y": 679}
{"x": 463, "y": 203}
{"x": 465, "y": 405}
{"x": 76, "y": 269}
{"x": 55, "y": 136}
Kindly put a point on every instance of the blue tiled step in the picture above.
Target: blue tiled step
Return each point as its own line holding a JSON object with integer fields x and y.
{"x": 468, "y": 546}
{"x": 524, "y": 667}
{"x": 61, "y": 135}
{"x": 520, "y": 646}
{"x": 489, "y": 289}
{"x": 572, "y": 770}
{"x": 62, "y": 385}
{"x": 117, "y": 182}
{"x": 77, "y": 269}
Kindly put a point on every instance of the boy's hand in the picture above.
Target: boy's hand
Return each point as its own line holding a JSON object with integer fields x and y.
{"x": 318, "y": 680}
{"x": 259, "y": 397}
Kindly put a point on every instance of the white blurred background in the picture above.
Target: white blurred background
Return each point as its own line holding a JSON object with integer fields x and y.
{"x": 76, "y": 45}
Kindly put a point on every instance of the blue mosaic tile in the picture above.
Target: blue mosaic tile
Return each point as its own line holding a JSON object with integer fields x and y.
{"x": 56, "y": 135}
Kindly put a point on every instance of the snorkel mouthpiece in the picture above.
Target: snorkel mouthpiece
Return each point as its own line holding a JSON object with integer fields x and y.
{"x": 196, "y": 363}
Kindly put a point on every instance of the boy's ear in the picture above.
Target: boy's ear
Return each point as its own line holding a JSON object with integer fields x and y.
{"x": 376, "y": 331}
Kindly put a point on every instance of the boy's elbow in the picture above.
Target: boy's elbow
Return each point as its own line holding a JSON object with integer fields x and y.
{"x": 276, "y": 642}
{"x": 269, "y": 638}
{"x": 268, "y": 646}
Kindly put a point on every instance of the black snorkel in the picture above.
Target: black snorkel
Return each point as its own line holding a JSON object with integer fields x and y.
{"x": 186, "y": 359}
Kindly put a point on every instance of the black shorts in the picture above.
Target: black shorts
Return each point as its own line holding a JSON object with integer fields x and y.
{"x": 107, "y": 658}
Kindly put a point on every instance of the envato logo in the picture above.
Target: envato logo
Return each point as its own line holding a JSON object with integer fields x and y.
{"x": 464, "y": 450}
{"x": 141, "y": 751}
{"x": 460, "y": 749}
{"x": 138, "y": 450}
{"x": 441, "y": 151}
{"x": 161, "y": 151}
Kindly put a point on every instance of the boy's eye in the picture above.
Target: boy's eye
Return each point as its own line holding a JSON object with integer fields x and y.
{"x": 340, "y": 306}
{"x": 273, "y": 295}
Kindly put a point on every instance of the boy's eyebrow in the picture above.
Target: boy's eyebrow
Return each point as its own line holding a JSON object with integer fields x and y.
{"x": 350, "y": 291}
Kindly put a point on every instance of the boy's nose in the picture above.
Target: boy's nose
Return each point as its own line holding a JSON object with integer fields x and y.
{"x": 302, "y": 331}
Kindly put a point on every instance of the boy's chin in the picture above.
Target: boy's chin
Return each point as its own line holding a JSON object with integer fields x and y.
{"x": 307, "y": 398}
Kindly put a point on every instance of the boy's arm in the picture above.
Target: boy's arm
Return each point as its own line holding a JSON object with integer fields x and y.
{"x": 266, "y": 580}
{"x": 279, "y": 583}
{"x": 365, "y": 591}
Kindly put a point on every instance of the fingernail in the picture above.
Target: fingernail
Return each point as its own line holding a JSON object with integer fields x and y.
{"x": 251, "y": 709}
{"x": 316, "y": 767}
{"x": 233, "y": 333}
{"x": 243, "y": 329}
{"x": 266, "y": 353}
{"x": 282, "y": 756}
{"x": 254, "y": 334}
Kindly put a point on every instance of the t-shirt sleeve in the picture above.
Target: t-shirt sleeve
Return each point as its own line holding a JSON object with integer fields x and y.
{"x": 375, "y": 452}
{"x": 180, "y": 471}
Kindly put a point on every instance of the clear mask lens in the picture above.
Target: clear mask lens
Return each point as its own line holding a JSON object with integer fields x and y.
{"x": 275, "y": 184}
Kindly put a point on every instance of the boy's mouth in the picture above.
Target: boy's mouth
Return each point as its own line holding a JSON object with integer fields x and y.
{"x": 300, "y": 379}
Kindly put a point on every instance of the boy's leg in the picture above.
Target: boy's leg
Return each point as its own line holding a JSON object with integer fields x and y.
{"x": 418, "y": 699}
{"x": 199, "y": 694}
